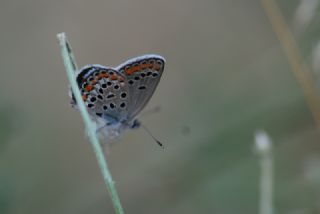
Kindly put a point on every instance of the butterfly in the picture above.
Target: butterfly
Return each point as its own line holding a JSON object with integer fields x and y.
{"x": 115, "y": 96}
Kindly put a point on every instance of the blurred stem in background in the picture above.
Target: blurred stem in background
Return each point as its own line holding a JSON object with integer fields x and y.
{"x": 290, "y": 48}
{"x": 71, "y": 67}
{"x": 263, "y": 147}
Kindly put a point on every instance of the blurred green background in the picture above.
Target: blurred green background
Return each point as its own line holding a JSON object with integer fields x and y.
{"x": 226, "y": 77}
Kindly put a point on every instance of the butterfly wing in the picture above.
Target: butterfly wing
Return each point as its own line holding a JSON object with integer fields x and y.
{"x": 142, "y": 75}
{"x": 104, "y": 91}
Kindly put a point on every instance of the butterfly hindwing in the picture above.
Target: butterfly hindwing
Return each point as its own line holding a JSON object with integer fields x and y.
{"x": 104, "y": 92}
{"x": 142, "y": 75}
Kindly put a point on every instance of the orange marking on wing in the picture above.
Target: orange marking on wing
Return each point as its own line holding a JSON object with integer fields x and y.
{"x": 128, "y": 71}
{"x": 84, "y": 97}
{"x": 94, "y": 82}
{"x": 89, "y": 87}
{"x": 99, "y": 77}
{"x": 103, "y": 75}
{"x": 157, "y": 67}
{"x": 136, "y": 68}
{"x": 114, "y": 77}
{"x": 143, "y": 66}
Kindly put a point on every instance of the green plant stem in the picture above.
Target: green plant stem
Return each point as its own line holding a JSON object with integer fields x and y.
{"x": 71, "y": 67}
{"x": 266, "y": 184}
{"x": 264, "y": 150}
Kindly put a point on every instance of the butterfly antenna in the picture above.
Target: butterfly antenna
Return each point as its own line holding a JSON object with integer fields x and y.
{"x": 155, "y": 139}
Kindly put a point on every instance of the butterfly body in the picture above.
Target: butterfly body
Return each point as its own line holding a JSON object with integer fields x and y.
{"x": 115, "y": 96}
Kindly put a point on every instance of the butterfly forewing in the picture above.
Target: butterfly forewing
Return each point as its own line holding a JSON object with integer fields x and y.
{"x": 142, "y": 77}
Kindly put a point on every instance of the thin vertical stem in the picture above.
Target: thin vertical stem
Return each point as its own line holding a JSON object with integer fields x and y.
{"x": 290, "y": 48}
{"x": 264, "y": 148}
{"x": 71, "y": 66}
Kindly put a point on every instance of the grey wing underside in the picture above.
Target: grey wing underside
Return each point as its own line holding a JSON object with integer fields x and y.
{"x": 104, "y": 91}
{"x": 119, "y": 94}
{"x": 142, "y": 77}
